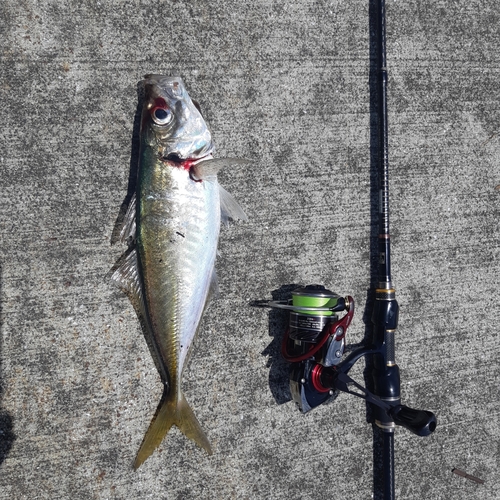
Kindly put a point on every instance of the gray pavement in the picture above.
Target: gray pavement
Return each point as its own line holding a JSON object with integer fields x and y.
{"x": 286, "y": 84}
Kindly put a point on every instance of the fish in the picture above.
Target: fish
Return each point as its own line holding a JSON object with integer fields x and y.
{"x": 172, "y": 227}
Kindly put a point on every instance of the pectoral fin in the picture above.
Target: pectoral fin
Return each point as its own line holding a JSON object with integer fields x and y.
{"x": 208, "y": 169}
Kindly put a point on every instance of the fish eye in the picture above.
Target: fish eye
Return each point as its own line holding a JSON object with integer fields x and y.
{"x": 161, "y": 116}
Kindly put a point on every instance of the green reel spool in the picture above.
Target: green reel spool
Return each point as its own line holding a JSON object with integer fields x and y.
{"x": 313, "y": 307}
{"x": 315, "y": 300}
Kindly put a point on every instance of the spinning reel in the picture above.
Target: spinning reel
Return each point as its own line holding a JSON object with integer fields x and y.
{"x": 314, "y": 344}
{"x": 315, "y": 338}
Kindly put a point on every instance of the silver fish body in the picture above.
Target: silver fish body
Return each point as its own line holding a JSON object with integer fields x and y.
{"x": 178, "y": 224}
{"x": 174, "y": 219}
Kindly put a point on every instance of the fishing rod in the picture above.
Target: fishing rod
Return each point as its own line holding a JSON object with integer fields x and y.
{"x": 385, "y": 371}
{"x": 314, "y": 342}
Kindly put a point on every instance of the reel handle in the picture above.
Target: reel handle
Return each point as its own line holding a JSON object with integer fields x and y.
{"x": 420, "y": 422}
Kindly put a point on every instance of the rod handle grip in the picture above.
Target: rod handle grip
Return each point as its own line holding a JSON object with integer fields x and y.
{"x": 420, "y": 422}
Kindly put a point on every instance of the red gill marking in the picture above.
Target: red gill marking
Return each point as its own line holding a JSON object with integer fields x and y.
{"x": 186, "y": 165}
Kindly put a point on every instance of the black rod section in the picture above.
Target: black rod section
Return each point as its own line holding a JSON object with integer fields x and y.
{"x": 384, "y": 235}
{"x": 385, "y": 372}
{"x": 386, "y": 310}
{"x": 388, "y": 459}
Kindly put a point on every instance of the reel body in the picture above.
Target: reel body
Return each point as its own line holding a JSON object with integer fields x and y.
{"x": 315, "y": 337}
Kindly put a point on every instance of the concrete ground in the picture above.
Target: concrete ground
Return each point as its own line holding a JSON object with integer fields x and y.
{"x": 287, "y": 84}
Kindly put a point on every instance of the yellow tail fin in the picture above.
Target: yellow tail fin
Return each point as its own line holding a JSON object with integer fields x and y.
{"x": 171, "y": 411}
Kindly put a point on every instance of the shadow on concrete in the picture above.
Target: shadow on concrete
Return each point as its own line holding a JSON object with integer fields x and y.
{"x": 278, "y": 368}
{"x": 7, "y": 436}
{"x": 134, "y": 165}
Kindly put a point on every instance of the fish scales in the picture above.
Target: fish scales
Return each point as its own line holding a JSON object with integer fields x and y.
{"x": 174, "y": 220}
{"x": 177, "y": 242}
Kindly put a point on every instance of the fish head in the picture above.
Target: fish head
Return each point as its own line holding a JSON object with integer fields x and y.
{"x": 172, "y": 122}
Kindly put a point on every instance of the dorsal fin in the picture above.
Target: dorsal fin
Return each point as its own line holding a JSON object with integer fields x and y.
{"x": 128, "y": 229}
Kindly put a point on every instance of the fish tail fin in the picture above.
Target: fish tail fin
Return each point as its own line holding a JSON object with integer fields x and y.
{"x": 172, "y": 410}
